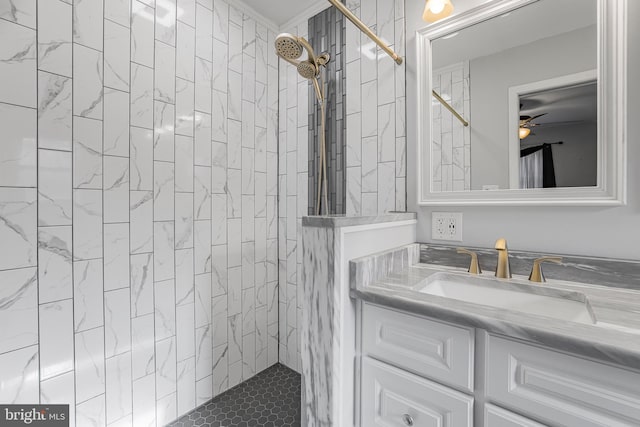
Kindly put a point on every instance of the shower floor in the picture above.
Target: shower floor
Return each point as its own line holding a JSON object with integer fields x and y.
{"x": 270, "y": 399}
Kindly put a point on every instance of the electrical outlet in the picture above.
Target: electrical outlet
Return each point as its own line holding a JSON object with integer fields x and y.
{"x": 446, "y": 226}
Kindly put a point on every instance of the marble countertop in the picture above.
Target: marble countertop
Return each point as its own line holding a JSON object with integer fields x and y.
{"x": 336, "y": 221}
{"x": 614, "y": 338}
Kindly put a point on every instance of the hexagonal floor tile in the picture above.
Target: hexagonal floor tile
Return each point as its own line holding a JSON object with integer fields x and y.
{"x": 271, "y": 398}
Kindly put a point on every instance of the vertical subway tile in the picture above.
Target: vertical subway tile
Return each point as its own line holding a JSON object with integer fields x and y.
{"x": 117, "y": 47}
{"x": 142, "y": 34}
{"x": 142, "y": 277}
{"x": 142, "y": 96}
{"x": 21, "y": 367}
{"x": 142, "y": 347}
{"x": 163, "y": 191}
{"x": 141, "y": 217}
{"x": 116, "y": 256}
{"x": 185, "y": 52}
{"x": 19, "y": 148}
{"x": 87, "y": 82}
{"x": 91, "y": 412}
{"x": 118, "y": 379}
{"x": 88, "y": 298}
{"x": 166, "y": 367}
{"x": 87, "y": 153}
{"x": 55, "y": 34}
{"x": 18, "y": 64}
{"x": 19, "y": 291}
{"x": 185, "y": 326}
{"x": 141, "y": 162}
{"x": 202, "y": 246}
{"x": 89, "y": 363}
{"x": 163, "y": 250}
{"x": 88, "y": 23}
{"x": 164, "y": 128}
{"x": 116, "y": 122}
{"x": 204, "y": 32}
{"x": 184, "y": 163}
{"x": 184, "y": 220}
{"x": 54, "y": 188}
{"x": 203, "y": 78}
{"x": 116, "y": 189}
{"x": 117, "y": 323}
{"x": 202, "y": 140}
{"x": 165, "y": 63}
{"x": 118, "y": 11}
{"x": 166, "y": 22}
{"x": 186, "y": 379}
{"x": 54, "y": 112}
{"x": 23, "y": 12}
{"x": 55, "y": 263}
{"x": 165, "y": 309}
{"x": 87, "y": 224}
{"x": 184, "y": 107}
{"x": 144, "y": 401}
{"x": 60, "y": 390}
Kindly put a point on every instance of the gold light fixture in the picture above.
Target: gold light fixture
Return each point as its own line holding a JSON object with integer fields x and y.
{"x": 523, "y": 132}
{"x": 435, "y": 10}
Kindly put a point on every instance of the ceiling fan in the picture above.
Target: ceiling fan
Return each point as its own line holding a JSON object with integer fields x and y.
{"x": 526, "y": 123}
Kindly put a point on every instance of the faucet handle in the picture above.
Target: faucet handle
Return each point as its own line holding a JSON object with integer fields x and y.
{"x": 474, "y": 267}
{"x": 536, "y": 271}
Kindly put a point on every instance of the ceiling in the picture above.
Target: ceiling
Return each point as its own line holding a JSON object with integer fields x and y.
{"x": 282, "y": 11}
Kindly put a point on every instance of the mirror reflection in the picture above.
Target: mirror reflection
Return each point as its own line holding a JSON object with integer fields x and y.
{"x": 527, "y": 88}
{"x": 558, "y": 135}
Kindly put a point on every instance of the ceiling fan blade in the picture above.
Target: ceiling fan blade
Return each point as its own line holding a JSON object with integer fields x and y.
{"x": 527, "y": 120}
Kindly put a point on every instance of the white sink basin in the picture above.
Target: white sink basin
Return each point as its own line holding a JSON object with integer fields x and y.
{"x": 533, "y": 299}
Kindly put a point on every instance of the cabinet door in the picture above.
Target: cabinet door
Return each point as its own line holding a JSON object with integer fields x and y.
{"x": 560, "y": 389}
{"x": 498, "y": 417}
{"x": 392, "y": 397}
{"x": 431, "y": 349}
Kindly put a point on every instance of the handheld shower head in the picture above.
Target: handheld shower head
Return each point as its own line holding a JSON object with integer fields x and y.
{"x": 308, "y": 69}
{"x": 288, "y": 47}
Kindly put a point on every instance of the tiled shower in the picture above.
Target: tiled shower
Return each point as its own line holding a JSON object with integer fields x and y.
{"x": 153, "y": 175}
{"x": 138, "y": 205}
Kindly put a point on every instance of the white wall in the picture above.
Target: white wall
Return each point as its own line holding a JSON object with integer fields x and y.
{"x": 492, "y": 76}
{"x": 596, "y": 231}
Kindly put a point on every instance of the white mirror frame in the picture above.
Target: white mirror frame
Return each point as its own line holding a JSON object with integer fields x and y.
{"x": 612, "y": 115}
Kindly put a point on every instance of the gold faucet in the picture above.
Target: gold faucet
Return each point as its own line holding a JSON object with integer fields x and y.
{"x": 536, "y": 271}
{"x": 474, "y": 267}
{"x": 503, "y": 270}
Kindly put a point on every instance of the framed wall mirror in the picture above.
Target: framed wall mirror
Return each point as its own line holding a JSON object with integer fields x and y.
{"x": 523, "y": 102}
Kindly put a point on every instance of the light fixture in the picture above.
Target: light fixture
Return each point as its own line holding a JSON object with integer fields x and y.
{"x": 435, "y": 10}
{"x": 523, "y": 132}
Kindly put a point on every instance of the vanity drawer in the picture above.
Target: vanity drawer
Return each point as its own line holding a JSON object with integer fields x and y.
{"x": 392, "y": 397}
{"x": 498, "y": 417}
{"x": 560, "y": 389}
{"x": 435, "y": 350}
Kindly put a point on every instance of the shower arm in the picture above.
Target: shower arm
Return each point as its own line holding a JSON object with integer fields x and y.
{"x": 358, "y": 23}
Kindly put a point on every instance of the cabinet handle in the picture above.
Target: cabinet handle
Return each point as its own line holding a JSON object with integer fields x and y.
{"x": 407, "y": 419}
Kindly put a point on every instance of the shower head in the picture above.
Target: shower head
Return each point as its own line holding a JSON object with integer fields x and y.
{"x": 308, "y": 69}
{"x": 288, "y": 46}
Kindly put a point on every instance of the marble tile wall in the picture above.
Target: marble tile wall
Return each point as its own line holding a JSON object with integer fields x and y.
{"x": 375, "y": 153}
{"x": 375, "y": 104}
{"x": 293, "y": 181}
{"x": 138, "y": 198}
{"x": 451, "y": 157}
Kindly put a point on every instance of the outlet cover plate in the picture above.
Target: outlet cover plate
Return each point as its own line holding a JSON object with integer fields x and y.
{"x": 446, "y": 226}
